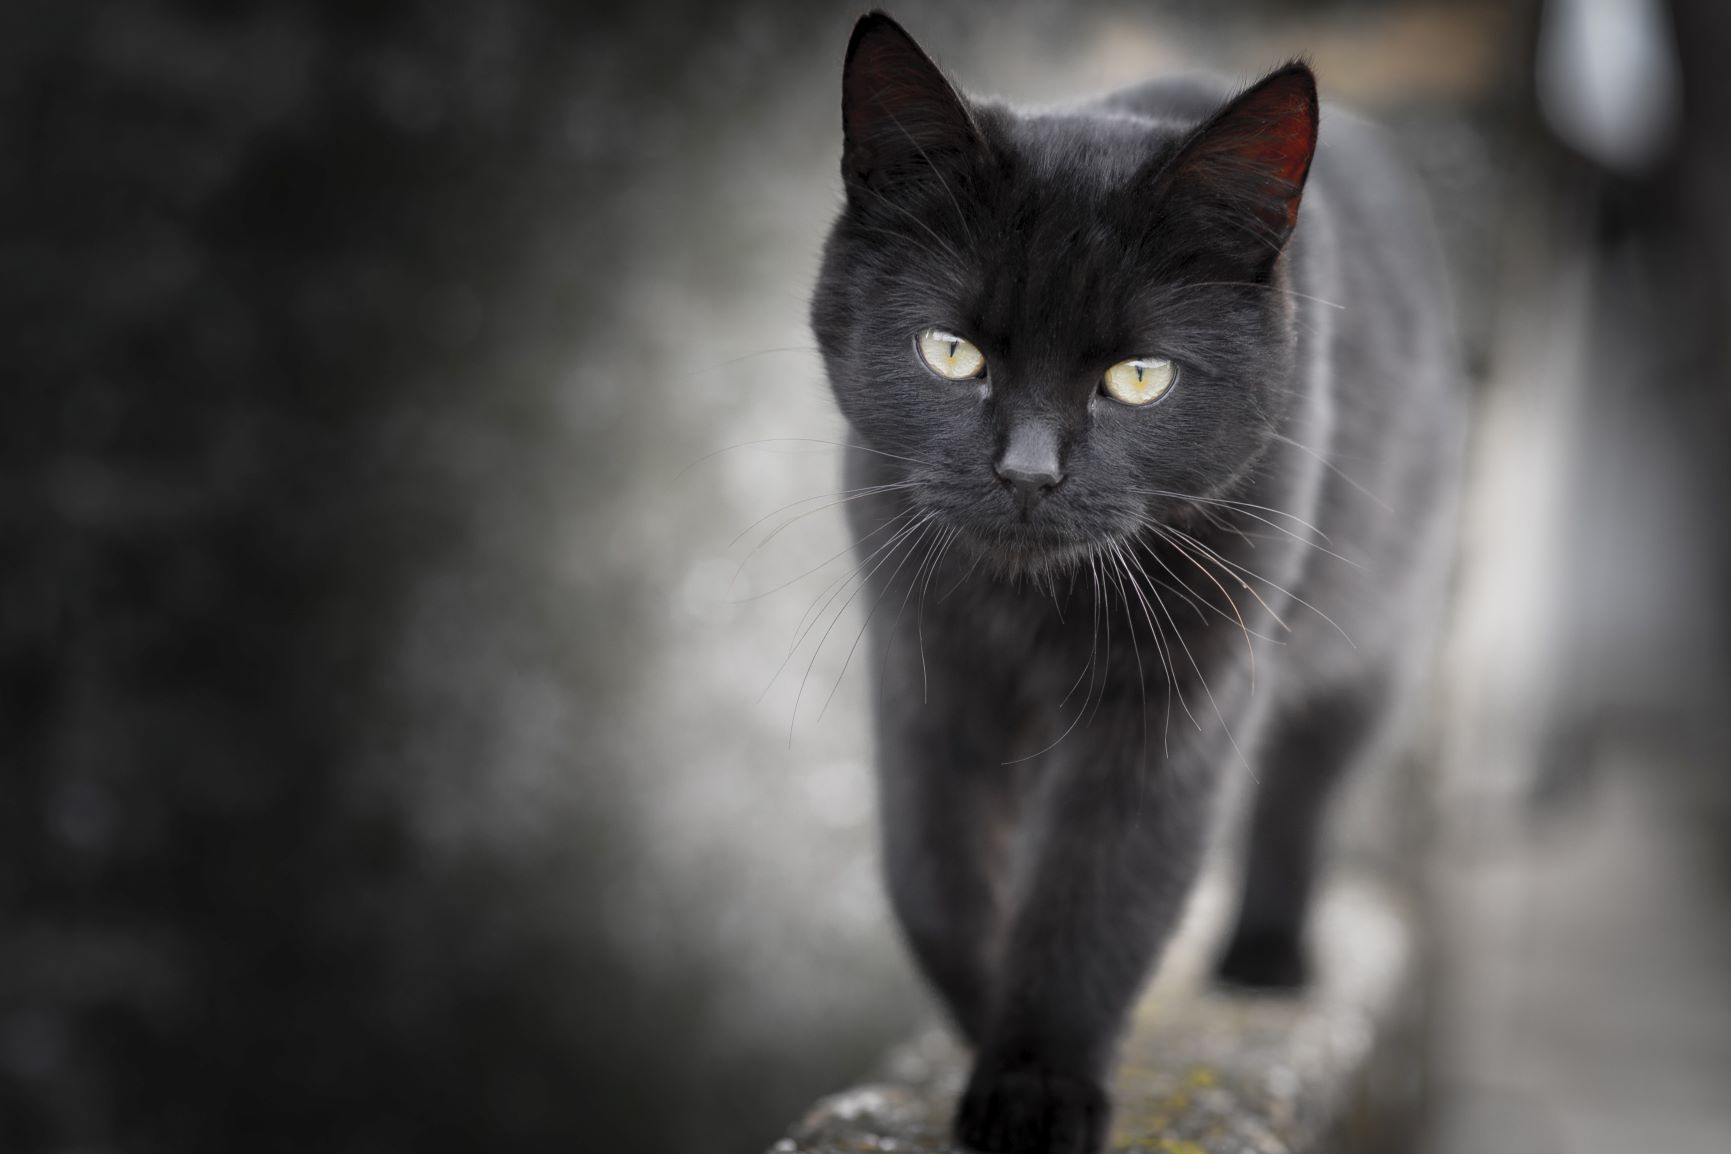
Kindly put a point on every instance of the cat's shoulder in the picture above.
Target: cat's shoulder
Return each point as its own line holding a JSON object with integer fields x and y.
{"x": 1185, "y": 99}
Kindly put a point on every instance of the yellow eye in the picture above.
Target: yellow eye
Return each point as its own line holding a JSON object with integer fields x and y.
{"x": 951, "y": 356}
{"x": 1139, "y": 381}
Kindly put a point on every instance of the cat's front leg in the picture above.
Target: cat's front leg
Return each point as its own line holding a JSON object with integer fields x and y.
{"x": 947, "y": 803}
{"x": 1119, "y": 836}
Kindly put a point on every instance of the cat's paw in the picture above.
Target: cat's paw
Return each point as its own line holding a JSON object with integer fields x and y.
{"x": 1025, "y": 1109}
{"x": 1264, "y": 962}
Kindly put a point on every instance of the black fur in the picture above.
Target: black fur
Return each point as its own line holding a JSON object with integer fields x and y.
{"x": 1073, "y": 672}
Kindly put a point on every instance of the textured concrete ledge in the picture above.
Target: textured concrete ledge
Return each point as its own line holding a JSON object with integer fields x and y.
{"x": 1337, "y": 1069}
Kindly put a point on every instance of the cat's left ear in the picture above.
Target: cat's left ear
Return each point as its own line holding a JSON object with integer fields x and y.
{"x": 1240, "y": 175}
{"x": 900, "y": 116}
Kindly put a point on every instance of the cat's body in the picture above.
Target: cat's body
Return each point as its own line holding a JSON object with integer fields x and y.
{"x": 1064, "y": 667}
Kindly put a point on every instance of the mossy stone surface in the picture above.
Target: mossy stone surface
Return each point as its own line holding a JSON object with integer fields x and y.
{"x": 1205, "y": 1070}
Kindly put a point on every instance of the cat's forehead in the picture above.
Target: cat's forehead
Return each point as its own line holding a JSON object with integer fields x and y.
{"x": 1067, "y": 200}
{"x": 1086, "y": 151}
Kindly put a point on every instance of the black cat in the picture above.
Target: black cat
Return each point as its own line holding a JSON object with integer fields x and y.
{"x": 1169, "y": 472}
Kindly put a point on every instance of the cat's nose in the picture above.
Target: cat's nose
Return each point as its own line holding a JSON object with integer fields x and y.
{"x": 1029, "y": 463}
{"x": 1029, "y": 483}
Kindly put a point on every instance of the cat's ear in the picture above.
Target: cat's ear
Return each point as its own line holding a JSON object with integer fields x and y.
{"x": 1241, "y": 174}
{"x": 899, "y": 115}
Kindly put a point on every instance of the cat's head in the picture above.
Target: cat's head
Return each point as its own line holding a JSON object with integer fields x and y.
{"x": 1047, "y": 320}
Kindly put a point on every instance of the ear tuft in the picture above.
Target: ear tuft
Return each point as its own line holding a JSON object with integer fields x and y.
{"x": 1251, "y": 159}
{"x": 899, "y": 114}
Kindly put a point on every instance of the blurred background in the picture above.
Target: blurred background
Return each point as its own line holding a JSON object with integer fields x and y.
{"x": 426, "y": 720}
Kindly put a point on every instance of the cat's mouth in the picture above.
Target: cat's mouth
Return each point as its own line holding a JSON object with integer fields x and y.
{"x": 1022, "y": 548}
{"x": 1054, "y": 537}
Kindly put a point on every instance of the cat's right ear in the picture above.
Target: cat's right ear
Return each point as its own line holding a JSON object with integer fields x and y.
{"x": 900, "y": 116}
{"x": 1235, "y": 184}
